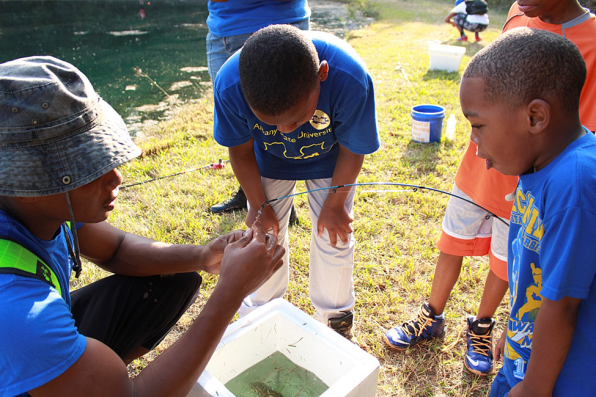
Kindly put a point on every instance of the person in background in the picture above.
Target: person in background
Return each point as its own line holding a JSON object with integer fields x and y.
{"x": 230, "y": 23}
{"x": 468, "y": 18}
{"x": 60, "y": 146}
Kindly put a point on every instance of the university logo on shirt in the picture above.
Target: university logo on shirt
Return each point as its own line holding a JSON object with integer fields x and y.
{"x": 320, "y": 120}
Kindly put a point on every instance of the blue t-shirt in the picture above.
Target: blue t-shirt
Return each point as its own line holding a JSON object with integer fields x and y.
{"x": 552, "y": 254}
{"x": 38, "y": 338}
{"x": 345, "y": 115}
{"x": 234, "y": 17}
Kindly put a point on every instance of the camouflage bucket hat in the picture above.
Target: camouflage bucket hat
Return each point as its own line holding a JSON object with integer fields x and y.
{"x": 56, "y": 133}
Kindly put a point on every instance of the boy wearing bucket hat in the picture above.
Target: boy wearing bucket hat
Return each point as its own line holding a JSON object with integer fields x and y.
{"x": 60, "y": 146}
{"x": 521, "y": 95}
{"x": 295, "y": 105}
{"x": 466, "y": 231}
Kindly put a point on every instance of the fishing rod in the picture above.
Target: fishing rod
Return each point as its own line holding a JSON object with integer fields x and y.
{"x": 413, "y": 188}
{"x": 222, "y": 163}
{"x": 219, "y": 165}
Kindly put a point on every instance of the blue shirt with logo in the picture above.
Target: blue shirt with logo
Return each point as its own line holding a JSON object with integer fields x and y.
{"x": 345, "y": 116}
{"x": 552, "y": 254}
{"x": 38, "y": 338}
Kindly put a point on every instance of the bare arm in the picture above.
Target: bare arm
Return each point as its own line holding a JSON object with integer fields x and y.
{"x": 247, "y": 263}
{"x": 448, "y": 18}
{"x": 334, "y": 217}
{"x": 132, "y": 255}
{"x": 244, "y": 163}
{"x": 553, "y": 332}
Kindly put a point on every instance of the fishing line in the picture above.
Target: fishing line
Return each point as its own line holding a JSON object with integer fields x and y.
{"x": 413, "y": 188}
{"x": 221, "y": 164}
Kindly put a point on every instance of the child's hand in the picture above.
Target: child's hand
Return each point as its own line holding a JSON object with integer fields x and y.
{"x": 267, "y": 220}
{"x": 337, "y": 221}
{"x": 500, "y": 347}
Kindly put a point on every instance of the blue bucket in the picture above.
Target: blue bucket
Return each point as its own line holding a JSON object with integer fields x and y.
{"x": 427, "y": 123}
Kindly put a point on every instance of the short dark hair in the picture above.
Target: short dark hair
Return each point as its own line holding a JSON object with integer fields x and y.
{"x": 524, "y": 64}
{"x": 278, "y": 66}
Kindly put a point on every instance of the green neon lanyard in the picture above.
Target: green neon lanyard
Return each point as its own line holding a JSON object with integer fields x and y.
{"x": 16, "y": 259}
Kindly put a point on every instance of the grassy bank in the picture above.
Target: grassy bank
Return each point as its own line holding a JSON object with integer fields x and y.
{"x": 395, "y": 231}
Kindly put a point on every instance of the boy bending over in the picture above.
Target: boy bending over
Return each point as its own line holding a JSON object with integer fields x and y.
{"x": 294, "y": 105}
{"x": 521, "y": 95}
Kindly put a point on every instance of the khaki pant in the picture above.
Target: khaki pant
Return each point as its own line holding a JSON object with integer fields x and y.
{"x": 331, "y": 286}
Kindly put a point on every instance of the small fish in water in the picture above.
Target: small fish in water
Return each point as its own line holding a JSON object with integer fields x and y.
{"x": 263, "y": 390}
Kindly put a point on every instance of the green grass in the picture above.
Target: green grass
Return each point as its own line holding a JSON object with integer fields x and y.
{"x": 395, "y": 232}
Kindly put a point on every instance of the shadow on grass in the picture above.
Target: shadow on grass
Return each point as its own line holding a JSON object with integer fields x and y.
{"x": 429, "y": 365}
{"x": 424, "y": 157}
{"x": 432, "y": 74}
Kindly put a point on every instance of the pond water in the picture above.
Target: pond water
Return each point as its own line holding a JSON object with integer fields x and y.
{"x": 143, "y": 56}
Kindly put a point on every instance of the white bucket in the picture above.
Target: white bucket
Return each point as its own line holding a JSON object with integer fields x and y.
{"x": 445, "y": 57}
{"x": 279, "y": 326}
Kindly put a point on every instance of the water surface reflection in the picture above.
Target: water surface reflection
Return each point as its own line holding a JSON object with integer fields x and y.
{"x": 139, "y": 65}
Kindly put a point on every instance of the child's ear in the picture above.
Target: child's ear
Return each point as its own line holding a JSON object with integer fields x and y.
{"x": 538, "y": 113}
{"x": 323, "y": 71}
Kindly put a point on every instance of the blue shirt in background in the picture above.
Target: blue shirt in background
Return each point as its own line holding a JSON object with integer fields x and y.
{"x": 234, "y": 17}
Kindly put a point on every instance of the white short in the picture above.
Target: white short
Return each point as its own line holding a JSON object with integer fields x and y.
{"x": 465, "y": 221}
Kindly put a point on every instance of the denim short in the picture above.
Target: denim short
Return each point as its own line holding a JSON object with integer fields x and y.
{"x": 462, "y": 21}
{"x": 219, "y": 49}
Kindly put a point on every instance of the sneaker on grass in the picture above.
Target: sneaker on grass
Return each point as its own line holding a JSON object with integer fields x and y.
{"x": 479, "y": 357}
{"x": 427, "y": 326}
{"x": 343, "y": 326}
{"x": 236, "y": 202}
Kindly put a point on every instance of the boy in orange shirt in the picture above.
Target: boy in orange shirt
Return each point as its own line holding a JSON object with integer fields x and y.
{"x": 466, "y": 231}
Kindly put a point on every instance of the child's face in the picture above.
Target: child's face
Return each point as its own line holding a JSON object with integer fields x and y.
{"x": 497, "y": 130}
{"x": 537, "y": 8}
{"x": 293, "y": 118}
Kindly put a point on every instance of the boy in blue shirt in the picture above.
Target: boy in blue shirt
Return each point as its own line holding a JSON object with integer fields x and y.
{"x": 521, "y": 95}
{"x": 295, "y": 105}
{"x": 230, "y": 23}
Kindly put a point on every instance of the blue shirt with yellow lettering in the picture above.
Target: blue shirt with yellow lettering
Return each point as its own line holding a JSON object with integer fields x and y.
{"x": 552, "y": 254}
{"x": 345, "y": 116}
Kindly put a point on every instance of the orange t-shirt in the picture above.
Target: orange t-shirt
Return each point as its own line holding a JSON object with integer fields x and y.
{"x": 489, "y": 188}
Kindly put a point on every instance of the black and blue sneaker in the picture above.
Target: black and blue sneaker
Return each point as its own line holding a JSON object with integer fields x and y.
{"x": 479, "y": 357}
{"x": 427, "y": 326}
